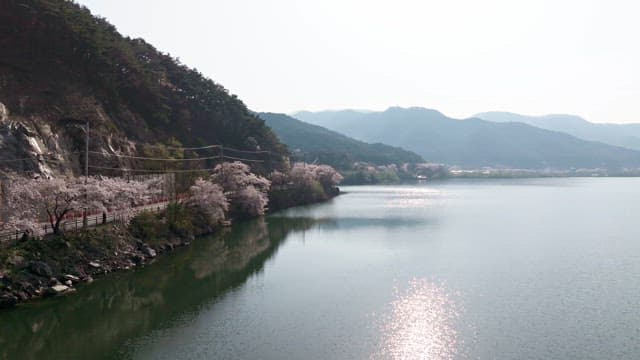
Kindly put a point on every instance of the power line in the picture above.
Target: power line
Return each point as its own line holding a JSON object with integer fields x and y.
{"x": 226, "y": 148}
{"x": 212, "y": 146}
{"x": 189, "y": 148}
{"x": 41, "y": 156}
{"x": 146, "y": 170}
{"x": 150, "y": 170}
{"x": 153, "y": 158}
{"x": 169, "y": 170}
{"x": 173, "y": 147}
{"x": 240, "y": 159}
{"x": 248, "y": 151}
{"x": 185, "y": 159}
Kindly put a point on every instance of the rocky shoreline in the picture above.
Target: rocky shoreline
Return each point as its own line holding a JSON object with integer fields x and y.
{"x": 63, "y": 262}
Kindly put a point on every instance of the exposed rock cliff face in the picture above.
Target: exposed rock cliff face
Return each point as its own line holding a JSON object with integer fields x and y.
{"x": 41, "y": 144}
{"x": 61, "y": 67}
{"x": 31, "y": 146}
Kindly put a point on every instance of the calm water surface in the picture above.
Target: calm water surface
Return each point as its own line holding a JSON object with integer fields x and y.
{"x": 485, "y": 269}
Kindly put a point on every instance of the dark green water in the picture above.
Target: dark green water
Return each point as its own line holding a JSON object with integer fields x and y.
{"x": 513, "y": 269}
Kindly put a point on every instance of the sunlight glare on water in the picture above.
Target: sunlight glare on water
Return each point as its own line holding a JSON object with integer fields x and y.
{"x": 420, "y": 324}
{"x": 407, "y": 198}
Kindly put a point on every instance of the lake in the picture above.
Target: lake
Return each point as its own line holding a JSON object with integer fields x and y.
{"x": 469, "y": 269}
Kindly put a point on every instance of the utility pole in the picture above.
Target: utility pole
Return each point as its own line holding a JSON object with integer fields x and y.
{"x": 269, "y": 165}
{"x": 86, "y": 174}
{"x": 86, "y": 155}
{"x": 222, "y": 161}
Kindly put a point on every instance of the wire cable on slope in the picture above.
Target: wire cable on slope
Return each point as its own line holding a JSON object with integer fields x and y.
{"x": 150, "y": 170}
{"x": 152, "y": 158}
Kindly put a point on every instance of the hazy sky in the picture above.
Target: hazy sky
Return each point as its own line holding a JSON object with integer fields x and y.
{"x": 460, "y": 57}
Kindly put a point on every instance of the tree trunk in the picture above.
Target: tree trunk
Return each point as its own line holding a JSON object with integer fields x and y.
{"x": 56, "y": 228}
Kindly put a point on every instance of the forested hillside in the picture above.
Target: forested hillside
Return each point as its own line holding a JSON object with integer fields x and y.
{"x": 314, "y": 143}
{"x": 60, "y": 67}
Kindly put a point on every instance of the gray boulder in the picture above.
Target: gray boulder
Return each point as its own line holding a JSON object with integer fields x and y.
{"x": 40, "y": 268}
{"x": 57, "y": 289}
{"x": 148, "y": 251}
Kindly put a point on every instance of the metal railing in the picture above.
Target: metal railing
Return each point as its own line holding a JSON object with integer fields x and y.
{"x": 10, "y": 238}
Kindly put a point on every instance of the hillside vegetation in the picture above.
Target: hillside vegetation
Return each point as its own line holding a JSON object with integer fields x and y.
{"x": 312, "y": 143}
{"x": 61, "y": 66}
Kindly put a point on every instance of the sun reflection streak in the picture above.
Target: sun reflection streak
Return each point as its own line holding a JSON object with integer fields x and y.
{"x": 421, "y": 324}
{"x": 415, "y": 198}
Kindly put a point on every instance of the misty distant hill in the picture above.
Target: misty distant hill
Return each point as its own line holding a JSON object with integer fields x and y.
{"x": 314, "y": 143}
{"x": 625, "y": 135}
{"x": 474, "y": 142}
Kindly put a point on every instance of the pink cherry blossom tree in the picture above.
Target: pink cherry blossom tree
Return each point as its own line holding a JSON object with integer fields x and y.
{"x": 210, "y": 199}
{"x": 124, "y": 196}
{"x": 235, "y": 176}
{"x": 307, "y": 174}
{"x": 327, "y": 176}
{"x": 21, "y": 216}
{"x": 55, "y": 198}
{"x": 302, "y": 175}
{"x": 251, "y": 201}
{"x": 246, "y": 191}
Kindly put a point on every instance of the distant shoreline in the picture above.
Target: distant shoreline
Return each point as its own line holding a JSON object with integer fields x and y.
{"x": 521, "y": 173}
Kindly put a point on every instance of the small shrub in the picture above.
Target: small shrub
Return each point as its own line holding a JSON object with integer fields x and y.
{"x": 148, "y": 226}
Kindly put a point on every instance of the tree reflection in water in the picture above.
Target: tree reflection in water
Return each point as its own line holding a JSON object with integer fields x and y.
{"x": 100, "y": 318}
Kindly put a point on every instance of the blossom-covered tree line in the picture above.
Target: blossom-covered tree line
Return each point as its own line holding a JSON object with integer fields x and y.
{"x": 366, "y": 173}
{"x": 246, "y": 192}
{"x": 234, "y": 188}
{"x": 30, "y": 202}
{"x": 307, "y": 182}
{"x": 230, "y": 189}
{"x": 309, "y": 175}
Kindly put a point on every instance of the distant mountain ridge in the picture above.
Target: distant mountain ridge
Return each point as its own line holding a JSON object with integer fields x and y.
{"x": 625, "y": 135}
{"x": 474, "y": 142}
{"x": 314, "y": 143}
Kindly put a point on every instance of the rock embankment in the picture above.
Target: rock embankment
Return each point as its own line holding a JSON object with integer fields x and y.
{"x": 56, "y": 266}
